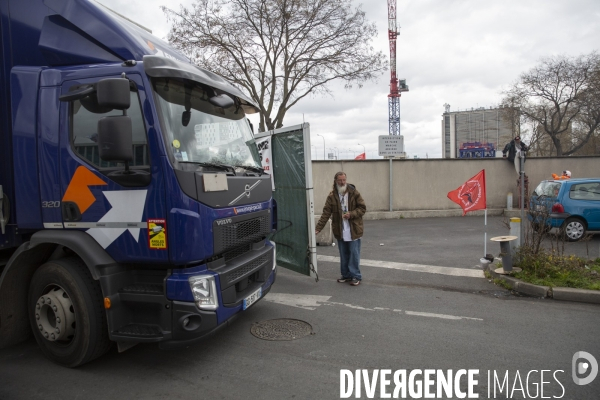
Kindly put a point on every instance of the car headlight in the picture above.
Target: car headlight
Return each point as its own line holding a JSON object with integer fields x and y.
{"x": 204, "y": 290}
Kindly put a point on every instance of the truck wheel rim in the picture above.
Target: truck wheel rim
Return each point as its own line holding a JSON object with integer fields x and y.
{"x": 55, "y": 316}
{"x": 574, "y": 230}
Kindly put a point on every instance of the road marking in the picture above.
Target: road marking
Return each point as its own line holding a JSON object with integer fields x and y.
{"x": 430, "y": 269}
{"x": 443, "y": 316}
{"x": 304, "y": 301}
{"x": 333, "y": 303}
{"x": 311, "y": 302}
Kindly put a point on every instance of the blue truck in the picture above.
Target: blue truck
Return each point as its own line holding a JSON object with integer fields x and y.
{"x": 133, "y": 205}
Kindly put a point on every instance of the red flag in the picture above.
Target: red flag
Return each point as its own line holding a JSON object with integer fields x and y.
{"x": 361, "y": 156}
{"x": 471, "y": 195}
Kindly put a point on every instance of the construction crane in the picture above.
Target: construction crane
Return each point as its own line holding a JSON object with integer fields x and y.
{"x": 395, "y": 87}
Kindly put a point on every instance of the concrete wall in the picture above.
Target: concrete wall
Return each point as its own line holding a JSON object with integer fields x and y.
{"x": 423, "y": 185}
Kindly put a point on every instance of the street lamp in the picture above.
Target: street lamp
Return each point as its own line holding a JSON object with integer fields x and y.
{"x": 353, "y": 153}
{"x": 338, "y": 152}
{"x": 364, "y": 150}
{"x": 323, "y": 146}
{"x": 332, "y": 151}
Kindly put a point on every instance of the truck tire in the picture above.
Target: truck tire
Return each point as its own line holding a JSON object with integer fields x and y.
{"x": 67, "y": 314}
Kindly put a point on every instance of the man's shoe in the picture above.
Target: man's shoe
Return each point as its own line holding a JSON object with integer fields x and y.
{"x": 344, "y": 280}
{"x": 355, "y": 282}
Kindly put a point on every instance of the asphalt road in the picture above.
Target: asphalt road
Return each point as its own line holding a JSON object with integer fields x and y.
{"x": 396, "y": 319}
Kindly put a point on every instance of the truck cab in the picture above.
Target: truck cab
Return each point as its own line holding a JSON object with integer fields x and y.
{"x": 134, "y": 205}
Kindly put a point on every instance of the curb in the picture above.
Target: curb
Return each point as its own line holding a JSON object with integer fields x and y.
{"x": 581, "y": 295}
{"x": 401, "y": 214}
{"x": 557, "y": 293}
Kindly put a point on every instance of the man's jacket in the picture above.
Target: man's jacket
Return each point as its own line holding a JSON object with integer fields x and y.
{"x": 511, "y": 149}
{"x": 333, "y": 209}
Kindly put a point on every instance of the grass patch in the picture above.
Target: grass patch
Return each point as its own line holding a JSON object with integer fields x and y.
{"x": 548, "y": 268}
{"x": 502, "y": 283}
{"x": 497, "y": 281}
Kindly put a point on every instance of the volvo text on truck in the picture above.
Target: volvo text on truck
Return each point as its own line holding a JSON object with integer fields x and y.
{"x": 133, "y": 205}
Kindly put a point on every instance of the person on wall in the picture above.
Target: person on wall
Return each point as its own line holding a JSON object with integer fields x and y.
{"x": 513, "y": 151}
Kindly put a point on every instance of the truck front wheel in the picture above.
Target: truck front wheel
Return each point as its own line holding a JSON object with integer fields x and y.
{"x": 66, "y": 313}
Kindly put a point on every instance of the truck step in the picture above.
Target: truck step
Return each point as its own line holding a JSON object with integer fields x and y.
{"x": 139, "y": 330}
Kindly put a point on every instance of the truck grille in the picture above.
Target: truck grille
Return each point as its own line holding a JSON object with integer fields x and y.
{"x": 242, "y": 230}
{"x": 231, "y": 254}
{"x": 232, "y": 277}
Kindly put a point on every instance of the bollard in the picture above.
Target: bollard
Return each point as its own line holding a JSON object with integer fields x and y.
{"x": 507, "y": 264}
{"x": 515, "y": 230}
{"x": 509, "y": 201}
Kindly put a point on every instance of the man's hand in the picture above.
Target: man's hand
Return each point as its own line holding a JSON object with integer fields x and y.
{"x": 346, "y": 216}
{"x": 317, "y": 232}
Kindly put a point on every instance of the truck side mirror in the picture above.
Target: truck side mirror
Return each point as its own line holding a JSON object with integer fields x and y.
{"x": 113, "y": 93}
{"x": 115, "y": 138}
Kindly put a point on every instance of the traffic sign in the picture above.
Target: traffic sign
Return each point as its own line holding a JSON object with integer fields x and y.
{"x": 391, "y": 145}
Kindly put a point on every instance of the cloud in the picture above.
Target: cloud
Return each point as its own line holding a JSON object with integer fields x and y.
{"x": 460, "y": 52}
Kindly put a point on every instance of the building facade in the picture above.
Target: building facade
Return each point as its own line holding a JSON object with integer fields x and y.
{"x": 476, "y": 133}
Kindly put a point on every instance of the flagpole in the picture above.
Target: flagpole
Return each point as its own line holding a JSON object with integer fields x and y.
{"x": 485, "y": 235}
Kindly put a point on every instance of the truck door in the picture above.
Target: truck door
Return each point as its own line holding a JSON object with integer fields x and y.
{"x": 126, "y": 215}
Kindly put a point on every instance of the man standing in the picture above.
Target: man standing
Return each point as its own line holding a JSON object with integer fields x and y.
{"x": 346, "y": 208}
{"x": 514, "y": 150}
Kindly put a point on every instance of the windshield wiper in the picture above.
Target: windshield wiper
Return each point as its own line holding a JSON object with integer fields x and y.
{"x": 222, "y": 167}
{"x": 252, "y": 168}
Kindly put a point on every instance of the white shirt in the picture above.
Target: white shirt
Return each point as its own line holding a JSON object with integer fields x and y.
{"x": 518, "y": 157}
{"x": 346, "y": 234}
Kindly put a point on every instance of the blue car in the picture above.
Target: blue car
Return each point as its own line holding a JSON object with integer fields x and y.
{"x": 572, "y": 206}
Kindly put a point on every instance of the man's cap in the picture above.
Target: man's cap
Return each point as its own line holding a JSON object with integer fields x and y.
{"x": 567, "y": 173}
{"x": 517, "y": 137}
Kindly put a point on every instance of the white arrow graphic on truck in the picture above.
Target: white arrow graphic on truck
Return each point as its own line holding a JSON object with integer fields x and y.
{"x": 127, "y": 205}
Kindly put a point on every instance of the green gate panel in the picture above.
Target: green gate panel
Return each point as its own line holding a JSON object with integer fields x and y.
{"x": 289, "y": 172}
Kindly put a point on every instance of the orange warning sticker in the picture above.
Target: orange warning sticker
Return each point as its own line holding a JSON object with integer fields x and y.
{"x": 157, "y": 233}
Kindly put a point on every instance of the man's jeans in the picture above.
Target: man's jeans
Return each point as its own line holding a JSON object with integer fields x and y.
{"x": 350, "y": 258}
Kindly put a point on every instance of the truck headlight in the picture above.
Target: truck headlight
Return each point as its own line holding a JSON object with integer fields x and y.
{"x": 274, "y": 255}
{"x": 204, "y": 290}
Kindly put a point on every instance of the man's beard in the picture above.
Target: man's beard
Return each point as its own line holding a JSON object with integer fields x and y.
{"x": 341, "y": 189}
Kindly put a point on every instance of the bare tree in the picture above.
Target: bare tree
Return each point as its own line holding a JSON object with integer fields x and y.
{"x": 586, "y": 126}
{"x": 530, "y": 132}
{"x": 560, "y": 97}
{"x": 279, "y": 51}
{"x": 540, "y": 144}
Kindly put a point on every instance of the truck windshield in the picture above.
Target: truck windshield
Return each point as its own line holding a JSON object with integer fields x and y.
{"x": 200, "y": 132}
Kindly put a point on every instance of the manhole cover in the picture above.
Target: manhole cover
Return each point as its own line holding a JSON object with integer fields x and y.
{"x": 281, "y": 329}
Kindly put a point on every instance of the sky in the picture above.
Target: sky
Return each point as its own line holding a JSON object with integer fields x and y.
{"x": 458, "y": 52}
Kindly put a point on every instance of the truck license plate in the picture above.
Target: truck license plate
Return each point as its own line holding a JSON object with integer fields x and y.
{"x": 248, "y": 301}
